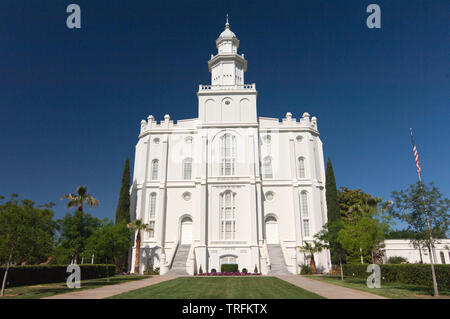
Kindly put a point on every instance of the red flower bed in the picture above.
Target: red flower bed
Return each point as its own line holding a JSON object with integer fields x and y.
{"x": 229, "y": 274}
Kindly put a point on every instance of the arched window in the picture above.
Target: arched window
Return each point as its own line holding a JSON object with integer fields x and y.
{"x": 152, "y": 215}
{"x": 187, "y": 168}
{"x": 228, "y": 259}
{"x": 305, "y": 214}
{"x": 301, "y": 167}
{"x": 228, "y": 154}
{"x": 155, "y": 164}
{"x": 227, "y": 215}
{"x": 267, "y": 167}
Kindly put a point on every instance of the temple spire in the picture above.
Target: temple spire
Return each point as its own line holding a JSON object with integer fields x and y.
{"x": 227, "y": 25}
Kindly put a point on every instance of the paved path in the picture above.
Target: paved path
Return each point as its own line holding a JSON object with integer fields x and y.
{"x": 108, "y": 291}
{"x": 328, "y": 290}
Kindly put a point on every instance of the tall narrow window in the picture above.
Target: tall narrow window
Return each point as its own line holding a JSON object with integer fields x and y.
{"x": 305, "y": 214}
{"x": 227, "y": 215}
{"x": 267, "y": 167}
{"x": 301, "y": 167}
{"x": 152, "y": 215}
{"x": 155, "y": 164}
{"x": 306, "y": 228}
{"x": 228, "y": 154}
{"x": 442, "y": 257}
{"x": 187, "y": 168}
{"x": 304, "y": 204}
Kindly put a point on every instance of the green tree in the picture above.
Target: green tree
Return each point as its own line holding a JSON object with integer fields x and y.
{"x": 109, "y": 241}
{"x": 363, "y": 225}
{"x": 26, "y": 233}
{"x": 334, "y": 224}
{"x": 408, "y": 206}
{"x": 123, "y": 213}
{"x": 138, "y": 226}
{"x": 123, "y": 206}
{"x": 74, "y": 231}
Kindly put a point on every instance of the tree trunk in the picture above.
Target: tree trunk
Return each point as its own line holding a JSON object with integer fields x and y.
{"x": 138, "y": 252}
{"x": 420, "y": 254}
{"x": 312, "y": 264}
{"x": 6, "y": 272}
{"x": 107, "y": 271}
{"x": 342, "y": 273}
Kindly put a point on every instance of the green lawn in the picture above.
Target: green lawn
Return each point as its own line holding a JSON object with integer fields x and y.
{"x": 47, "y": 290}
{"x": 220, "y": 288}
{"x": 392, "y": 290}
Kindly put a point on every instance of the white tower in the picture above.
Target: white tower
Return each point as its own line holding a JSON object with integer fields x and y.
{"x": 228, "y": 99}
{"x": 227, "y": 67}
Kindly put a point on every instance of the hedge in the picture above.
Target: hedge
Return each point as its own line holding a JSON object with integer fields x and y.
{"x": 42, "y": 274}
{"x": 229, "y": 268}
{"x": 417, "y": 274}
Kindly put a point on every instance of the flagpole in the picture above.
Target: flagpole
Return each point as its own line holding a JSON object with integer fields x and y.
{"x": 431, "y": 247}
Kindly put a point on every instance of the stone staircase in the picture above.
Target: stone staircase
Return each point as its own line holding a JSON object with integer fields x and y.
{"x": 277, "y": 264}
{"x": 179, "y": 262}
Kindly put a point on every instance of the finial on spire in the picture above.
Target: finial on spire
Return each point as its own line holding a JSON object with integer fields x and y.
{"x": 227, "y": 25}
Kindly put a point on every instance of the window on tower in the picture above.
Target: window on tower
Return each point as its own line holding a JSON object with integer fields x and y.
{"x": 228, "y": 154}
{"x": 227, "y": 215}
{"x": 267, "y": 167}
{"x": 155, "y": 164}
{"x": 152, "y": 215}
{"x": 305, "y": 214}
{"x": 301, "y": 167}
{"x": 187, "y": 168}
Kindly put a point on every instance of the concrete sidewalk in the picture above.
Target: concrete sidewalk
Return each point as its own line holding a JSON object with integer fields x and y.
{"x": 328, "y": 290}
{"x": 112, "y": 290}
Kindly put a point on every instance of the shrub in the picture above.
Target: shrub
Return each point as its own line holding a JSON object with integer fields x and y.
{"x": 244, "y": 270}
{"x": 200, "y": 271}
{"x": 397, "y": 260}
{"x": 229, "y": 268}
{"x": 213, "y": 270}
{"x": 151, "y": 271}
{"x": 255, "y": 270}
{"x": 305, "y": 270}
{"x": 417, "y": 274}
{"x": 43, "y": 274}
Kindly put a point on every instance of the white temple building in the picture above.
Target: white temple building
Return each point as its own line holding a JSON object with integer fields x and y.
{"x": 229, "y": 186}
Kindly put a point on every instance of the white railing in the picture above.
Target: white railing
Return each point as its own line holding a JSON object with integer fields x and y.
{"x": 172, "y": 256}
{"x": 266, "y": 253}
{"x": 204, "y": 87}
{"x": 190, "y": 262}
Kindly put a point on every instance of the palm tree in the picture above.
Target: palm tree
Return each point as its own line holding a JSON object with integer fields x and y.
{"x": 312, "y": 248}
{"x": 137, "y": 225}
{"x": 80, "y": 198}
{"x": 77, "y": 200}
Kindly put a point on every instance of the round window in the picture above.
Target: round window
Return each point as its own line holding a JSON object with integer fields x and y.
{"x": 156, "y": 140}
{"x": 299, "y": 138}
{"x": 227, "y": 102}
{"x": 267, "y": 139}
{"x": 187, "y": 196}
{"x": 188, "y": 139}
{"x": 270, "y": 196}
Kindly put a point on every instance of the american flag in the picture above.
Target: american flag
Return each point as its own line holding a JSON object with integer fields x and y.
{"x": 416, "y": 155}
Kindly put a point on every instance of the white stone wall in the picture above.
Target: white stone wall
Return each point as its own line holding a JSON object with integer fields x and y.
{"x": 228, "y": 106}
{"x": 404, "y": 248}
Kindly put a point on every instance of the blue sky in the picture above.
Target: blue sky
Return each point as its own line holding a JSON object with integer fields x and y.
{"x": 71, "y": 100}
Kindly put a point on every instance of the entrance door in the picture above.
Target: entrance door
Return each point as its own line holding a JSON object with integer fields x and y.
{"x": 186, "y": 231}
{"x": 272, "y": 230}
